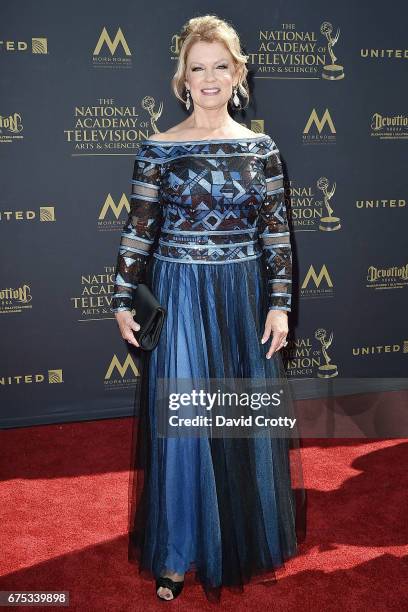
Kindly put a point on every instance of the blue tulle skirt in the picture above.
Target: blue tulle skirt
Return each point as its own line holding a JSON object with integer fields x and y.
{"x": 229, "y": 508}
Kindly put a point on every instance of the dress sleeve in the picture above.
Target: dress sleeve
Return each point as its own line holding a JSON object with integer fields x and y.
{"x": 139, "y": 231}
{"x": 275, "y": 236}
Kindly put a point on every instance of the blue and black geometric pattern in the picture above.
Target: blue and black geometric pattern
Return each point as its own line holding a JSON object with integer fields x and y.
{"x": 206, "y": 202}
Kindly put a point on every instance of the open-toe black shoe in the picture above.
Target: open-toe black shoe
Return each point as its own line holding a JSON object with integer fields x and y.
{"x": 175, "y": 586}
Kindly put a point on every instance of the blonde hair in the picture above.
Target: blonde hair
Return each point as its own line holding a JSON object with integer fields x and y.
{"x": 210, "y": 28}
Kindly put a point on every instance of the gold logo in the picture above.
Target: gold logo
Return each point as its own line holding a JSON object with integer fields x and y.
{"x": 110, "y": 128}
{"x": 15, "y": 299}
{"x": 175, "y": 45}
{"x": 389, "y": 127}
{"x": 121, "y": 368}
{"x": 328, "y": 369}
{"x": 12, "y": 123}
{"x": 333, "y": 71}
{"x": 104, "y": 39}
{"x": 288, "y": 52}
{"x": 50, "y": 376}
{"x": 317, "y": 279}
{"x": 304, "y": 358}
{"x": 55, "y": 376}
{"x": 39, "y": 45}
{"x": 47, "y": 213}
{"x": 319, "y": 123}
{"x": 395, "y": 277}
{"x": 148, "y": 105}
{"x": 11, "y": 128}
{"x": 329, "y": 223}
{"x": 94, "y": 298}
{"x": 258, "y": 126}
{"x": 115, "y": 208}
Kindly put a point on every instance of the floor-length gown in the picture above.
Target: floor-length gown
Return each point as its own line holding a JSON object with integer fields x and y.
{"x": 208, "y": 232}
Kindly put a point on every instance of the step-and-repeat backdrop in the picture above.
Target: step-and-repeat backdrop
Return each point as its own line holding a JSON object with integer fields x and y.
{"x": 82, "y": 83}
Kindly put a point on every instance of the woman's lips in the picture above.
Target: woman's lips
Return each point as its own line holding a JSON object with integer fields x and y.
{"x": 210, "y": 91}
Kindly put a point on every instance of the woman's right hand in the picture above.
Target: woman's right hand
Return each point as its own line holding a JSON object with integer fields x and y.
{"x": 127, "y": 324}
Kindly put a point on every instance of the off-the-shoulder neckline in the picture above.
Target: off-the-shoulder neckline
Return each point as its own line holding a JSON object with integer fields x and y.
{"x": 206, "y": 141}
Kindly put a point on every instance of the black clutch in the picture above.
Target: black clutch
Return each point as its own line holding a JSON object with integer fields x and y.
{"x": 150, "y": 315}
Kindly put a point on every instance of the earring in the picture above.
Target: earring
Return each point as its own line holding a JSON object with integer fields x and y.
{"x": 188, "y": 100}
{"x": 235, "y": 98}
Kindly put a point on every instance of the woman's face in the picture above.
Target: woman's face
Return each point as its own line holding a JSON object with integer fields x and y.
{"x": 210, "y": 67}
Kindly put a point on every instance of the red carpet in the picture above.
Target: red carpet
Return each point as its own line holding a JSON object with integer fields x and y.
{"x": 64, "y": 516}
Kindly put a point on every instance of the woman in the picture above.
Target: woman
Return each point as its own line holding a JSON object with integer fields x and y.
{"x": 208, "y": 215}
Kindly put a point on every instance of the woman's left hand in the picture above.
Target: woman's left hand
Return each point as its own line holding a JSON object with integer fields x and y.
{"x": 277, "y": 324}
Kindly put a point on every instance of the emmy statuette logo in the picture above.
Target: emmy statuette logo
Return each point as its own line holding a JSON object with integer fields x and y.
{"x": 328, "y": 223}
{"x": 333, "y": 71}
{"x": 148, "y": 105}
{"x": 328, "y": 369}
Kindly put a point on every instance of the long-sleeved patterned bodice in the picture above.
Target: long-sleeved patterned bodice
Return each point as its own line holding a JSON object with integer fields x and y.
{"x": 206, "y": 202}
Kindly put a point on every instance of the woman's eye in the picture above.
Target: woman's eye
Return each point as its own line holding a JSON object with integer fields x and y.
{"x": 199, "y": 68}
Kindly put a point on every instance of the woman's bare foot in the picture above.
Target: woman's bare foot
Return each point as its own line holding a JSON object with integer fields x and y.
{"x": 165, "y": 593}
